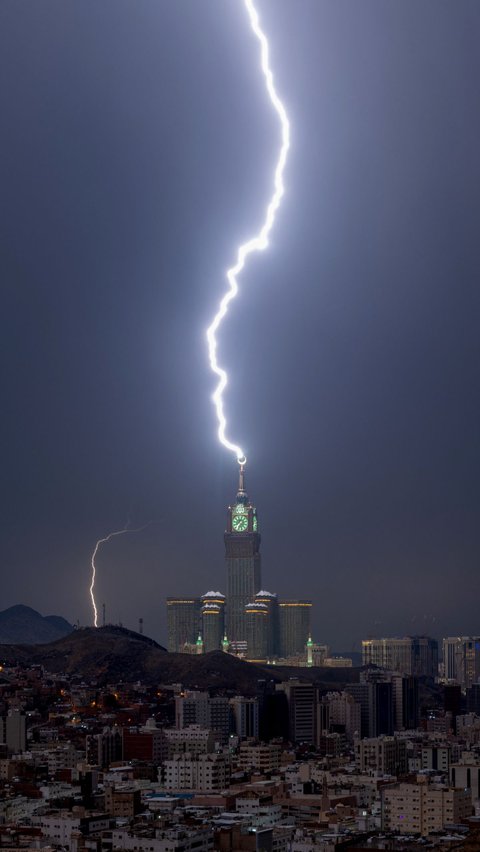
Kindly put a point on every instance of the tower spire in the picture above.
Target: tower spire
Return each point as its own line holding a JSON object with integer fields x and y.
{"x": 242, "y": 496}
{"x": 241, "y": 479}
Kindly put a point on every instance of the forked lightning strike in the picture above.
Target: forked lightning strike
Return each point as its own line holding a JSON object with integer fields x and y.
{"x": 256, "y": 243}
{"x": 94, "y": 570}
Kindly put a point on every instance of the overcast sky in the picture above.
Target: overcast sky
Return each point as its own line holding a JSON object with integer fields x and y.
{"x": 137, "y": 150}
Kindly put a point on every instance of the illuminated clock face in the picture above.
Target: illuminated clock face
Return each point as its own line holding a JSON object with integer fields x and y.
{"x": 240, "y": 509}
{"x": 255, "y": 523}
{"x": 239, "y": 523}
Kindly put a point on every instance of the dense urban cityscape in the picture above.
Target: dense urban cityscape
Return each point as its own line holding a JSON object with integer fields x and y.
{"x": 259, "y": 738}
{"x": 228, "y": 230}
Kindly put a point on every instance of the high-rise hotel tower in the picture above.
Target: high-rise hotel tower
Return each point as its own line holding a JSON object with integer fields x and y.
{"x": 248, "y": 621}
{"x": 242, "y": 556}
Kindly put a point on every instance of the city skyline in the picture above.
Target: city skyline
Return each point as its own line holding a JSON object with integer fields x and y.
{"x": 354, "y": 350}
{"x": 248, "y": 621}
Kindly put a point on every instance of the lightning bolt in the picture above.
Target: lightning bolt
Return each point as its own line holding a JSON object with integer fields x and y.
{"x": 257, "y": 243}
{"x": 101, "y": 541}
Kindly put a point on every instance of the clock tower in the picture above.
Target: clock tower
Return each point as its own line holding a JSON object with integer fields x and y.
{"x": 242, "y": 556}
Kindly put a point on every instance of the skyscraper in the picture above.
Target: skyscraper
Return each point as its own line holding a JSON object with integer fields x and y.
{"x": 412, "y": 655}
{"x": 245, "y": 716}
{"x": 183, "y": 622}
{"x": 376, "y": 706}
{"x": 257, "y": 625}
{"x": 293, "y": 626}
{"x": 213, "y": 623}
{"x": 242, "y": 556}
{"x": 302, "y": 710}
{"x": 270, "y": 601}
{"x": 249, "y": 621}
{"x": 461, "y": 659}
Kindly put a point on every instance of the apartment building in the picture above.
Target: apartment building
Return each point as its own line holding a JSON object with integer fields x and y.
{"x": 422, "y": 808}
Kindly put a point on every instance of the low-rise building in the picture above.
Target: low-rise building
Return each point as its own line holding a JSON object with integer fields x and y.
{"x": 205, "y": 772}
{"x": 171, "y": 840}
{"x": 122, "y": 803}
{"x": 192, "y": 739}
{"x": 466, "y": 775}
{"x": 264, "y": 757}
{"x": 59, "y": 827}
{"x": 423, "y": 808}
{"x": 436, "y": 757}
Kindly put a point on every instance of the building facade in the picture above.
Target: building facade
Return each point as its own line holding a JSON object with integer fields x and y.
{"x": 242, "y": 559}
{"x": 198, "y": 708}
{"x": 206, "y": 772}
{"x": 302, "y": 710}
{"x": 183, "y": 622}
{"x": 423, "y": 808}
{"x": 213, "y": 621}
{"x": 257, "y": 625}
{"x": 245, "y": 717}
{"x": 248, "y": 621}
{"x": 461, "y": 660}
{"x": 294, "y": 626}
{"x": 411, "y": 655}
{"x": 386, "y": 755}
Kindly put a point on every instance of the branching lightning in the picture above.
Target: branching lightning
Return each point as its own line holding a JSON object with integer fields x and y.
{"x": 101, "y": 541}
{"x": 257, "y": 243}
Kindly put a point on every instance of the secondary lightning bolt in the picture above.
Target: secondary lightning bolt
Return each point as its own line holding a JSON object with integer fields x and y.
{"x": 256, "y": 243}
{"x": 94, "y": 570}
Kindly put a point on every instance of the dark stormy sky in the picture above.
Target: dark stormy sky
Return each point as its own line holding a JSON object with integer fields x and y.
{"x": 137, "y": 148}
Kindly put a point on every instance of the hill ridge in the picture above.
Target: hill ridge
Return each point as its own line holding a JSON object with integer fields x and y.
{"x": 113, "y": 654}
{"x": 23, "y": 624}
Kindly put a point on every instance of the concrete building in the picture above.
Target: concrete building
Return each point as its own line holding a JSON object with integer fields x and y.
{"x": 145, "y": 743}
{"x": 423, "y": 808}
{"x": 182, "y": 839}
{"x": 270, "y": 600}
{"x": 258, "y": 808}
{"x": 302, "y": 710}
{"x": 294, "y": 627}
{"x": 264, "y": 757}
{"x": 62, "y": 756}
{"x": 192, "y": 739}
{"x": 436, "y": 758}
{"x": 319, "y": 653}
{"x": 383, "y": 755}
{"x": 467, "y": 776}
{"x": 405, "y": 702}
{"x": 473, "y": 699}
{"x": 343, "y": 714}
{"x": 257, "y": 626}
{"x": 245, "y": 717}
{"x": 461, "y": 660}
{"x": 13, "y": 731}
{"x": 411, "y": 655}
{"x": 183, "y": 622}
{"x": 197, "y": 708}
{"x": 376, "y": 701}
{"x": 124, "y": 803}
{"x": 105, "y": 748}
{"x": 247, "y": 838}
{"x": 213, "y": 622}
{"x": 60, "y": 826}
{"x": 204, "y": 773}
